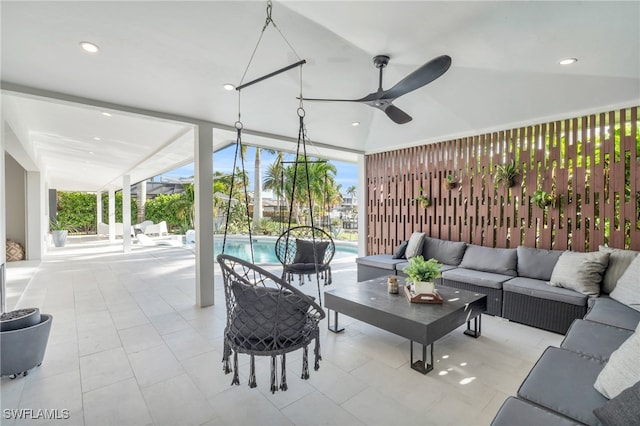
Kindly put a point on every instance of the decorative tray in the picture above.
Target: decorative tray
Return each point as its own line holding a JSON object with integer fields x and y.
{"x": 422, "y": 297}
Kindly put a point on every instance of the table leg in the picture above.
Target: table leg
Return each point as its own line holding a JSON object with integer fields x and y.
{"x": 422, "y": 365}
{"x": 477, "y": 327}
{"x": 335, "y": 328}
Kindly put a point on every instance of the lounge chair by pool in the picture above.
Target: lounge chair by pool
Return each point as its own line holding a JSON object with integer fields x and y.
{"x": 148, "y": 242}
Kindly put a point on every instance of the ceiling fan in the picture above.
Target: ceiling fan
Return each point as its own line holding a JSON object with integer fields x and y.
{"x": 383, "y": 99}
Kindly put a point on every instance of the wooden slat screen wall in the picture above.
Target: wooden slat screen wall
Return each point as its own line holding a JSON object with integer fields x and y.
{"x": 592, "y": 165}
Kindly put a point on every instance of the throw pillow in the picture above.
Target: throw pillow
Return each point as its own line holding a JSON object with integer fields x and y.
{"x": 414, "y": 247}
{"x": 627, "y": 290}
{"x": 304, "y": 251}
{"x": 399, "y": 253}
{"x": 623, "y": 369}
{"x": 619, "y": 261}
{"x": 263, "y": 313}
{"x": 537, "y": 263}
{"x": 581, "y": 272}
{"x": 623, "y": 410}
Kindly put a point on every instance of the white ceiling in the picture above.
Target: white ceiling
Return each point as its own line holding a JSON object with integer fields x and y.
{"x": 174, "y": 57}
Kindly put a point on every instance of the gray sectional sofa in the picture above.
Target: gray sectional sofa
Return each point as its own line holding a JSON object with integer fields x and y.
{"x": 593, "y": 378}
{"x": 561, "y": 387}
{"x": 514, "y": 280}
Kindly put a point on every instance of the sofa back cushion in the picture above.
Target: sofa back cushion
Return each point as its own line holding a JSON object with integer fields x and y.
{"x": 619, "y": 260}
{"x": 536, "y": 263}
{"x": 581, "y": 272}
{"x": 445, "y": 252}
{"x": 496, "y": 260}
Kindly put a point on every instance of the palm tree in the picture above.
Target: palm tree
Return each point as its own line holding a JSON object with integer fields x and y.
{"x": 185, "y": 206}
{"x": 320, "y": 183}
{"x": 257, "y": 187}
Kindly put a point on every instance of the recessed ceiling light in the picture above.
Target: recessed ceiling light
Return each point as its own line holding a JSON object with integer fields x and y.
{"x": 229, "y": 86}
{"x": 91, "y": 152}
{"x": 106, "y": 114}
{"x": 89, "y": 47}
{"x": 568, "y": 61}
{"x": 355, "y": 123}
{"x": 95, "y": 138}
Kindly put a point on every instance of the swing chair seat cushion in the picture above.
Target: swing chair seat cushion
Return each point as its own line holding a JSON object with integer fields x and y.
{"x": 305, "y": 252}
{"x": 268, "y": 318}
{"x": 305, "y": 268}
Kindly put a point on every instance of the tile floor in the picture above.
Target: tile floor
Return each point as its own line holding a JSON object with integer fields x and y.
{"x": 128, "y": 347}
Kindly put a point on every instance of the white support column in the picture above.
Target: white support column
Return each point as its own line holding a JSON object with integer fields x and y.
{"x": 142, "y": 199}
{"x": 112, "y": 215}
{"x": 126, "y": 213}
{"x": 362, "y": 206}
{"x": 98, "y": 208}
{"x": 3, "y": 221}
{"x": 203, "y": 187}
{"x": 35, "y": 212}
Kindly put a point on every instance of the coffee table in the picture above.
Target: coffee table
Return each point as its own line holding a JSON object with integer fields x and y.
{"x": 370, "y": 302}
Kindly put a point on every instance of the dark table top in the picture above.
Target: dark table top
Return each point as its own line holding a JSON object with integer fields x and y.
{"x": 369, "y": 301}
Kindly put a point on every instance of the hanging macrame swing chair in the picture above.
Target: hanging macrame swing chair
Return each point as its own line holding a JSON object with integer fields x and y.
{"x": 266, "y": 316}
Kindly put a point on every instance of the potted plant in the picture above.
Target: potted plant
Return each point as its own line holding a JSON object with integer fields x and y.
{"x": 58, "y": 233}
{"x": 422, "y": 273}
{"x": 506, "y": 173}
{"x": 451, "y": 181}
{"x": 423, "y": 199}
{"x": 542, "y": 199}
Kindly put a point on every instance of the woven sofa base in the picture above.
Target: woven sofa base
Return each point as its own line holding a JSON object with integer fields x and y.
{"x": 366, "y": 272}
{"x": 494, "y": 295}
{"x": 548, "y": 315}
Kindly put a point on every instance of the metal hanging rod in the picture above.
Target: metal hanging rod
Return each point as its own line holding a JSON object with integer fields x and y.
{"x": 264, "y": 77}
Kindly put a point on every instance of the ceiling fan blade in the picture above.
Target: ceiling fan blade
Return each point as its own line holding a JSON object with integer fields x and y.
{"x": 423, "y": 75}
{"x": 397, "y": 115}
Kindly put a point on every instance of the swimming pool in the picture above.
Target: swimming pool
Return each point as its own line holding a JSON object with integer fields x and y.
{"x": 264, "y": 249}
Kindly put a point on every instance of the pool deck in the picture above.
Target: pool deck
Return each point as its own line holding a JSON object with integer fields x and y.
{"x": 128, "y": 346}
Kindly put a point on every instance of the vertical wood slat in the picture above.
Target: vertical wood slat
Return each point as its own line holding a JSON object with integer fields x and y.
{"x": 477, "y": 212}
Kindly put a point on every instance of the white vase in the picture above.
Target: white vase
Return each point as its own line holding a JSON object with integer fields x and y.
{"x": 424, "y": 287}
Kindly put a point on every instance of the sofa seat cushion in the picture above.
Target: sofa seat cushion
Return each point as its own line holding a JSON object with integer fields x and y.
{"x": 540, "y": 289}
{"x": 536, "y": 263}
{"x": 622, "y": 370}
{"x": 594, "y": 339}
{"x": 479, "y": 278}
{"x": 382, "y": 261}
{"x": 400, "y": 267}
{"x": 445, "y": 252}
{"x": 515, "y": 411}
{"x": 562, "y": 381}
{"x": 608, "y": 311}
{"x": 493, "y": 260}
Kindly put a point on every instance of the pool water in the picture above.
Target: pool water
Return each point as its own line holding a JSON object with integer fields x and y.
{"x": 264, "y": 249}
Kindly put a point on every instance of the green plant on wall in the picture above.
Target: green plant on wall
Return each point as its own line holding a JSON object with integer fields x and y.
{"x": 543, "y": 199}
{"x": 506, "y": 173}
{"x": 423, "y": 199}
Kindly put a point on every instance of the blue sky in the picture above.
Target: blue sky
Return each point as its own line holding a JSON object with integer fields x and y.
{"x": 223, "y": 161}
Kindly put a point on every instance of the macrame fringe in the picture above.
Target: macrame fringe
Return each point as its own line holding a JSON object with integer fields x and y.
{"x": 305, "y": 363}
{"x": 274, "y": 385}
{"x": 252, "y": 372}
{"x": 318, "y": 357}
{"x": 226, "y": 365}
{"x": 236, "y": 378}
{"x": 283, "y": 377}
